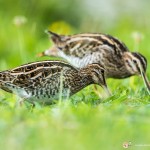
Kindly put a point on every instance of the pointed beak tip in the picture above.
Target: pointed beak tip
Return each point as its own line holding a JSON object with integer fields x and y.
{"x": 146, "y": 82}
{"x": 107, "y": 90}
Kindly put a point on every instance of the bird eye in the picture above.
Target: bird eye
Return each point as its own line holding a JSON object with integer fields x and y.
{"x": 135, "y": 61}
{"x": 102, "y": 71}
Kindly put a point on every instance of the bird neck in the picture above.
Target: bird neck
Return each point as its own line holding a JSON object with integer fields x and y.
{"x": 86, "y": 78}
{"x": 81, "y": 80}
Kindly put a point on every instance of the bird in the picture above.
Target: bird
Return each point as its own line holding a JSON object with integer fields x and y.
{"x": 45, "y": 81}
{"x": 87, "y": 48}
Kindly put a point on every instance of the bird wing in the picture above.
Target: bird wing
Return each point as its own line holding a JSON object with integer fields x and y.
{"x": 32, "y": 75}
{"x": 81, "y": 44}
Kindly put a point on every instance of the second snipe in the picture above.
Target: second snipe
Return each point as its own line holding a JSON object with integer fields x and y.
{"x": 46, "y": 81}
{"x": 87, "y": 48}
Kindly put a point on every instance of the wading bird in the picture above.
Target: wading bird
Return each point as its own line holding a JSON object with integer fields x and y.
{"x": 87, "y": 48}
{"x": 45, "y": 81}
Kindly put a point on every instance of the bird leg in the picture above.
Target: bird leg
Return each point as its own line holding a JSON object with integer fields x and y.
{"x": 146, "y": 82}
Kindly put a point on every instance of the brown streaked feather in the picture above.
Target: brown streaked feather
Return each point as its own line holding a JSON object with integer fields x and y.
{"x": 88, "y": 42}
{"x": 33, "y": 73}
{"x": 42, "y": 80}
{"x": 47, "y": 63}
{"x": 83, "y": 49}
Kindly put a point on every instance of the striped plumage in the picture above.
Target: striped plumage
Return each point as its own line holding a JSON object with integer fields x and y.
{"x": 47, "y": 80}
{"x": 87, "y": 48}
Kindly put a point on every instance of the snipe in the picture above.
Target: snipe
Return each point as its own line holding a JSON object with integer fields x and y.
{"x": 46, "y": 81}
{"x": 87, "y": 48}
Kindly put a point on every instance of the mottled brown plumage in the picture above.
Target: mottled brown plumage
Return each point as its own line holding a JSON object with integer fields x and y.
{"x": 87, "y": 48}
{"x": 46, "y": 81}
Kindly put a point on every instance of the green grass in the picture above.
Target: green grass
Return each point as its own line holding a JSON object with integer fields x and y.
{"x": 68, "y": 126}
{"x": 84, "y": 121}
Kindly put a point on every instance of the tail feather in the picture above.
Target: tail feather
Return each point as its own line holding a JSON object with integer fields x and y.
{"x": 52, "y": 33}
{"x": 59, "y": 40}
{"x": 5, "y": 76}
{"x": 3, "y": 86}
{"x": 55, "y": 37}
{"x": 5, "y": 81}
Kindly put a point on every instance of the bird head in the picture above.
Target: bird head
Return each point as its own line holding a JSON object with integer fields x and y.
{"x": 136, "y": 64}
{"x": 97, "y": 74}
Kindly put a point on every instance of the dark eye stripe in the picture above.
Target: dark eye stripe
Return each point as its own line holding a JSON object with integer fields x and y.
{"x": 142, "y": 59}
{"x": 138, "y": 67}
{"x": 129, "y": 64}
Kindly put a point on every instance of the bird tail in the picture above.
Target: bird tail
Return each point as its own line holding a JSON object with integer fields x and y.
{"x": 52, "y": 33}
{"x": 55, "y": 37}
{"x": 59, "y": 40}
{"x": 4, "y": 77}
{"x": 1, "y": 81}
{"x": 4, "y": 81}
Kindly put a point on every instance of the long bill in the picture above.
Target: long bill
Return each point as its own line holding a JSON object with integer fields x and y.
{"x": 146, "y": 82}
{"x": 106, "y": 90}
{"x": 145, "y": 79}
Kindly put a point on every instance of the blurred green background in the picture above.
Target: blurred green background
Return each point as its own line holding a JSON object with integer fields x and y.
{"x": 22, "y": 24}
{"x": 82, "y": 122}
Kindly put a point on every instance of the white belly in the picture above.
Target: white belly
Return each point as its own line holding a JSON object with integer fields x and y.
{"x": 81, "y": 62}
